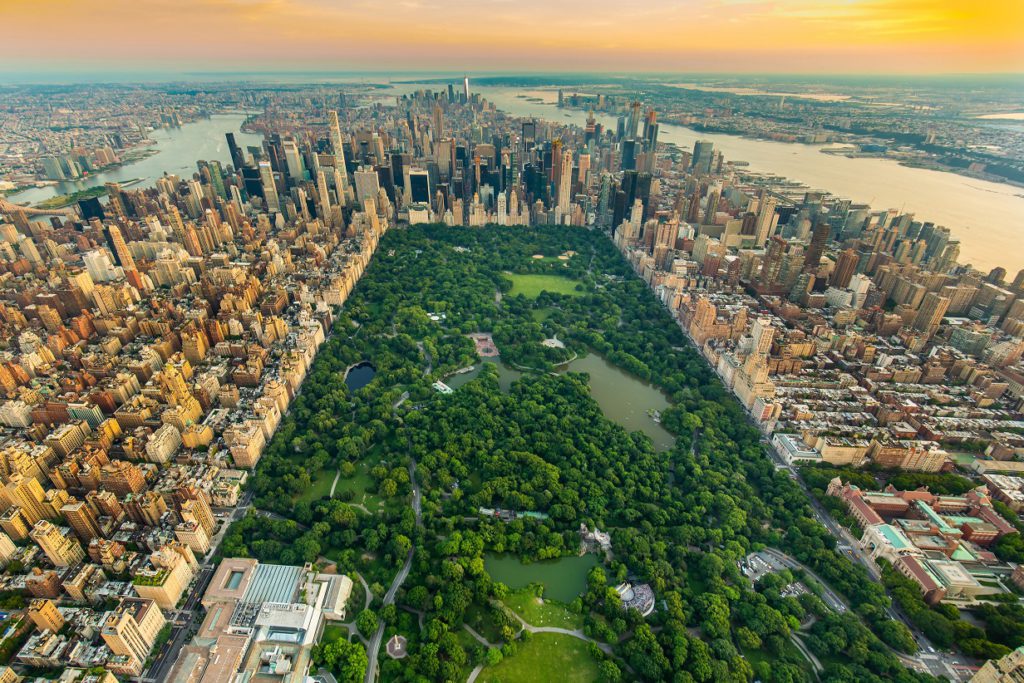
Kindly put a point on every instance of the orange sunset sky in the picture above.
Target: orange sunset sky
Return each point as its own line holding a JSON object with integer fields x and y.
{"x": 853, "y": 36}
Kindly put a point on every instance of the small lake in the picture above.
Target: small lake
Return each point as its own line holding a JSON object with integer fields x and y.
{"x": 624, "y": 398}
{"x": 506, "y": 374}
{"x": 359, "y": 375}
{"x": 564, "y": 579}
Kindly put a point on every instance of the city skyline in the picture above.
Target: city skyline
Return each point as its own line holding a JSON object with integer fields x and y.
{"x": 791, "y": 36}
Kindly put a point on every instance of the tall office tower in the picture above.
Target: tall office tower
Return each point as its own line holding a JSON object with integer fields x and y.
{"x": 846, "y": 266}
{"x": 772, "y": 265}
{"x": 767, "y": 219}
{"x": 367, "y": 184}
{"x": 438, "y": 121}
{"x": 465, "y": 89}
{"x": 269, "y": 188}
{"x": 651, "y": 130}
{"x": 325, "y": 198}
{"x": 712, "y": 208}
{"x": 293, "y": 160}
{"x": 815, "y": 250}
{"x": 584, "y": 168}
{"x": 703, "y": 155}
{"x": 120, "y": 248}
{"x": 419, "y": 185}
{"x": 132, "y": 628}
{"x": 58, "y": 544}
{"x": 237, "y": 157}
{"x": 82, "y": 520}
{"x": 565, "y": 184}
{"x": 929, "y": 316}
{"x": 28, "y": 495}
{"x": 634, "y": 120}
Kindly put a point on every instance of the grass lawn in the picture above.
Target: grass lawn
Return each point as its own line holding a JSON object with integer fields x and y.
{"x": 540, "y": 612}
{"x": 321, "y": 487}
{"x": 542, "y": 314}
{"x": 545, "y": 657}
{"x": 531, "y": 285}
{"x": 334, "y": 632}
{"x": 359, "y": 484}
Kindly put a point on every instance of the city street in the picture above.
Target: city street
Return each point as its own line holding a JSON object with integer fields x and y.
{"x": 928, "y": 658}
{"x": 187, "y": 619}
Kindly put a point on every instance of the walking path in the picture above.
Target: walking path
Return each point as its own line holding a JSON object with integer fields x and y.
{"x": 373, "y": 650}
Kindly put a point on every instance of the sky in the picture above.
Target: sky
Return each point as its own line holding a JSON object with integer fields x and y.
{"x": 685, "y": 36}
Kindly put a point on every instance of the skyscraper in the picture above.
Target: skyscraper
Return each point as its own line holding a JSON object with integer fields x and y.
{"x": 269, "y": 188}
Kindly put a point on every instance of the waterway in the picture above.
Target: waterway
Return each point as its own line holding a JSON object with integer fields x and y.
{"x": 564, "y": 579}
{"x": 178, "y": 149}
{"x": 987, "y": 217}
{"x": 625, "y": 399}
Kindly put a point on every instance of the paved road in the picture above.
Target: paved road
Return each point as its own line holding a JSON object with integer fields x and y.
{"x": 373, "y": 651}
{"x": 190, "y": 615}
{"x": 928, "y": 658}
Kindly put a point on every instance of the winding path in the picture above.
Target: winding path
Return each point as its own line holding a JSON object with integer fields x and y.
{"x": 373, "y": 650}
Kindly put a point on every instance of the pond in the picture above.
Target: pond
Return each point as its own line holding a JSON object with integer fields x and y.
{"x": 506, "y": 375}
{"x": 563, "y": 579}
{"x": 624, "y": 398}
{"x": 359, "y": 375}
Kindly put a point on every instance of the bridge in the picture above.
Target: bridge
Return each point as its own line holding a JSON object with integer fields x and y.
{"x": 9, "y": 208}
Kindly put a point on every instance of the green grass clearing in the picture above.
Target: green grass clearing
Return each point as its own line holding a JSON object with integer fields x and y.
{"x": 334, "y": 632}
{"x": 542, "y": 314}
{"x": 544, "y": 657}
{"x": 531, "y": 285}
{"x": 541, "y": 612}
{"x": 320, "y": 488}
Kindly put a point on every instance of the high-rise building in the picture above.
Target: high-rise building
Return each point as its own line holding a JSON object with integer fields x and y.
{"x": 269, "y": 188}
{"x": 816, "y": 248}
{"x": 58, "y": 544}
{"x": 929, "y": 316}
{"x": 82, "y": 520}
{"x": 122, "y": 256}
{"x": 29, "y": 496}
{"x": 846, "y": 266}
{"x": 130, "y": 631}
{"x": 44, "y": 613}
{"x": 703, "y": 156}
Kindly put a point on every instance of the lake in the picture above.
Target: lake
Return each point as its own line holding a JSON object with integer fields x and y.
{"x": 178, "y": 151}
{"x": 359, "y": 375}
{"x": 624, "y": 398}
{"x": 506, "y": 374}
{"x": 564, "y": 579}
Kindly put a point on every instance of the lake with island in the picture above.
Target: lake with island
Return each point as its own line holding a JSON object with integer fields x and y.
{"x": 564, "y": 578}
{"x": 624, "y": 398}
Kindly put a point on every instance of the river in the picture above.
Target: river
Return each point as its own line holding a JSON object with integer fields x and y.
{"x": 178, "y": 149}
{"x": 987, "y": 217}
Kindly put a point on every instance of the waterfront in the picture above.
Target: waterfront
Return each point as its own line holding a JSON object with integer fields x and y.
{"x": 177, "y": 151}
{"x": 987, "y": 217}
